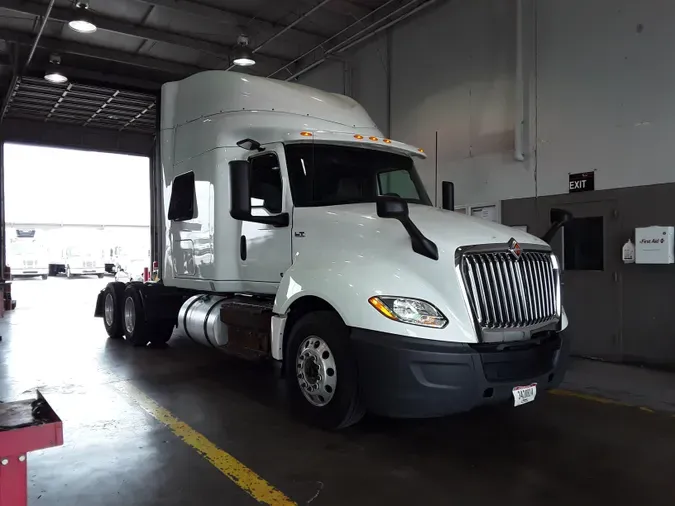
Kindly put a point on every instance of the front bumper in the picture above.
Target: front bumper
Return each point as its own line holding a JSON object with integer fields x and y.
{"x": 88, "y": 271}
{"x": 30, "y": 271}
{"x": 415, "y": 378}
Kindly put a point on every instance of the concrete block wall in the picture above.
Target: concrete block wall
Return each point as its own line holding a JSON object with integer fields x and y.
{"x": 598, "y": 80}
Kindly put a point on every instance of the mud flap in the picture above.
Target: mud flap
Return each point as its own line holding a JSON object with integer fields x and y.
{"x": 98, "y": 312}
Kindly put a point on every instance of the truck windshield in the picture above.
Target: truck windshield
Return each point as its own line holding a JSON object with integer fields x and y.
{"x": 328, "y": 174}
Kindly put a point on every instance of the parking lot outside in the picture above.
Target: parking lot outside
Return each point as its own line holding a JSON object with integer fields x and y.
{"x": 556, "y": 450}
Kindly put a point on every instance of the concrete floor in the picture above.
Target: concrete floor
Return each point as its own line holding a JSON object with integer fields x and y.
{"x": 559, "y": 450}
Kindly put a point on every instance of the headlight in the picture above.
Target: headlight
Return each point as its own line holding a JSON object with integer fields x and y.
{"x": 413, "y": 311}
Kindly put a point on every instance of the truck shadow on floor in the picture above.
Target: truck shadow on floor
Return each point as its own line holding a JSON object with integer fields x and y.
{"x": 558, "y": 447}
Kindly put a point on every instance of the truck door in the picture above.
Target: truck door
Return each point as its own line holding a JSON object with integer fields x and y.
{"x": 266, "y": 249}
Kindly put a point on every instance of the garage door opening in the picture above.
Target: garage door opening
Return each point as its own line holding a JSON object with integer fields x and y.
{"x": 73, "y": 220}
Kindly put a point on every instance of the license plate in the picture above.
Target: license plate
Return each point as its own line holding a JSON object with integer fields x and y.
{"x": 523, "y": 395}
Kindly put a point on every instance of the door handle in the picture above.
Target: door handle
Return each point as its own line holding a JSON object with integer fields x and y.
{"x": 242, "y": 247}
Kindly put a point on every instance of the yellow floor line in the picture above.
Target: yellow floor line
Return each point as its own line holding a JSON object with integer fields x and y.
{"x": 602, "y": 400}
{"x": 589, "y": 397}
{"x": 241, "y": 475}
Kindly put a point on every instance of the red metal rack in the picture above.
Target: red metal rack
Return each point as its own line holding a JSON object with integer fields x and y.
{"x": 25, "y": 426}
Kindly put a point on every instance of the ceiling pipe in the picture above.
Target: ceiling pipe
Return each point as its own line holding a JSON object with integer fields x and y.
{"x": 518, "y": 153}
{"x": 288, "y": 27}
{"x": 371, "y": 33}
{"x": 331, "y": 38}
{"x": 39, "y": 34}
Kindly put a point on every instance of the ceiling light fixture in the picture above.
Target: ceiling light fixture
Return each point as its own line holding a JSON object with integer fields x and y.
{"x": 243, "y": 56}
{"x": 53, "y": 72}
{"x": 82, "y": 22}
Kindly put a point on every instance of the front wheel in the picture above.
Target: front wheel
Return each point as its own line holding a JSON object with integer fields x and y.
{"x": 321, "y": 372}
{"x": 100, "y": 276}
{"x": 45, "y": 276}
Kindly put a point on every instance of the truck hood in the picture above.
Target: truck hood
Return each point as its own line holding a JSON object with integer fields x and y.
{"x": 448, "y": 229}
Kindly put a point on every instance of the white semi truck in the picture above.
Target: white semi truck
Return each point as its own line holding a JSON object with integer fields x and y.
{"x": 295, "y": 231}
{"x": 26, "y": 255}
{"x": 79, "y": 261}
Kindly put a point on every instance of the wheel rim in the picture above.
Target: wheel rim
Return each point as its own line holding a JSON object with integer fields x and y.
{"x": 129, "y": 315}
{"x": 316, "y": 371}
{"x": 109, "y": 309}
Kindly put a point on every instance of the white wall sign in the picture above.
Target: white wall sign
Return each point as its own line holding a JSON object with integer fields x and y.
{"x": 654, "y": 245}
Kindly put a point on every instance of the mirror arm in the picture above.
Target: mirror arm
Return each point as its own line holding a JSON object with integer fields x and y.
{"x": 551, "y": 232}
{"x": 420, "y": 243}
{"x": 559, "y": 218}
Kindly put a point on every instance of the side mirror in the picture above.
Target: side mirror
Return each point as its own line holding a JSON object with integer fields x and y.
{"x": 560, "y": 216}
{"x": 250, "y": 145}
{"x": 240, "y": 197}
{"x": 396, "y": 208}
{"x": 558, "y": 219}
{"x": 448, "y": 196}
{"x": 392, "y": 207}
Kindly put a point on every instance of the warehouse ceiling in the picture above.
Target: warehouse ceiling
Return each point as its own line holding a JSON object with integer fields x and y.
{"x": 115, "y": 73}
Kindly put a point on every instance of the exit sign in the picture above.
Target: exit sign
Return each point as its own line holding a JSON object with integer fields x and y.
{"x": 582, "y": 182}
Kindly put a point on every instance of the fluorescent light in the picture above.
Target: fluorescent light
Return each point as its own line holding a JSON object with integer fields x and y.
{"x": 243, "y": 56}
{"x": 53, "y": 72}
{"x": 244, "y": 61}
{"x": 54, "y": 76}
{"x": 82, "y": 26}
{"x": 82, "y": 22}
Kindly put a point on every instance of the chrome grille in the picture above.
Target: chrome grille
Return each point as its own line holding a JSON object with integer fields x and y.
{"x": 509, "y": 292}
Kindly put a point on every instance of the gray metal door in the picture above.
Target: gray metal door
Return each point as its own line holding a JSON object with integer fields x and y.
{"x": 591, "y": 280}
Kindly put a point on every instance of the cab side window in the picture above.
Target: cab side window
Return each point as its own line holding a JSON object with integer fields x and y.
{"x": 266, "y": 186}
{"x": 182, "y": 204}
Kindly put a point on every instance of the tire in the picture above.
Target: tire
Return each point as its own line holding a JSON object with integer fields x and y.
{"x": 45, "y": 276}
{"x": 336, "y": 402}
{"x": 100, "y": 276}
{"x": 114, "y": 293}
{"x": 138, "y": 331}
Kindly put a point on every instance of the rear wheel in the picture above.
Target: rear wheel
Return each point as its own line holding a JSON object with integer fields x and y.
{"x": 112, "y": 310}
{"x": 321, "y": 372}
{"x": 138, "y": 330}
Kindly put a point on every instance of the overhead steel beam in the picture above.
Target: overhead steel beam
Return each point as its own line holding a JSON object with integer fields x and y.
{"x": 77, "y": 48}
{"x": 366, "y": 33}
{"x": 132, "y": 30}
{"x": 350, "y": 8}
{"x": 12, "y": 85}
{"x": 15, "y": 73}
{"x": 81, "y": 74}
{"x": 321, "y": 46}
{"x": 228, "y": 16}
